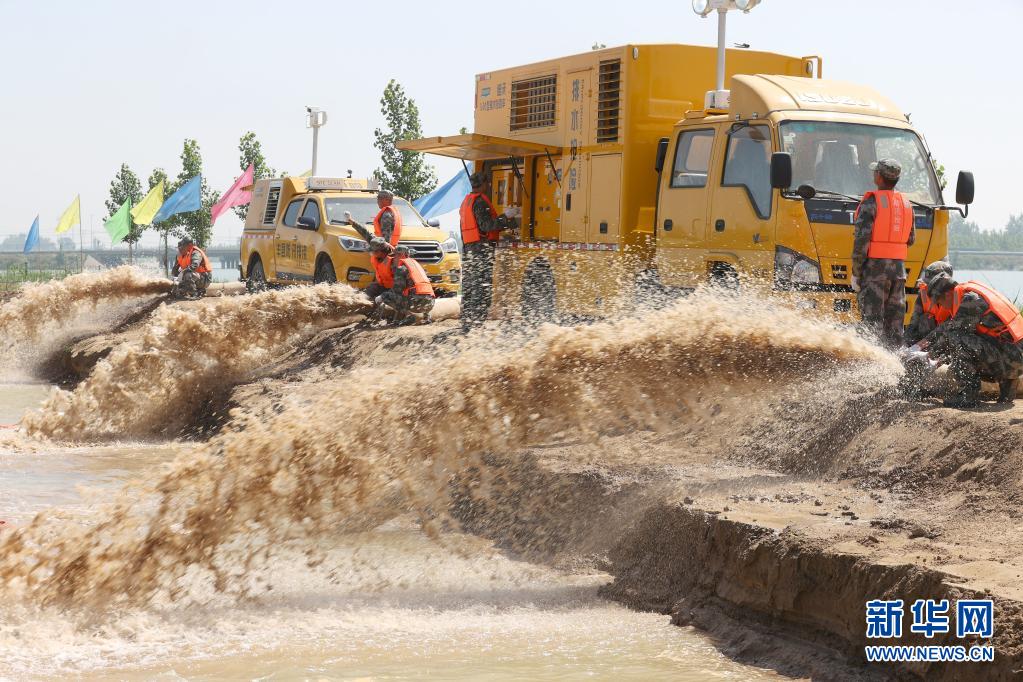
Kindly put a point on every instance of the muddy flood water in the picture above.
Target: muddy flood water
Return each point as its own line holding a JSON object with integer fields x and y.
{"x": 384, "y": 604}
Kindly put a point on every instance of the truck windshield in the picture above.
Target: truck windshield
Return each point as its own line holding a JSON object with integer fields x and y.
{"x": 837, "y": 157}
{"x": 364, "y": 209}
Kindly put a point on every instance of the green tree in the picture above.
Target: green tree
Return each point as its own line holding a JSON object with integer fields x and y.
{"x": 251, "y": 152}
{"x": 195, "y": 224}
{"x": 125, "y": 185}
{"x": 404, "y": 173}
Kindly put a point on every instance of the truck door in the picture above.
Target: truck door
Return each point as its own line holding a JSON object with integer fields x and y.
{"x": 285, "y": 240}
{"x": 309, "y": 241}
{"x": 740, "y": 230}
{"x": 682, "y": 208}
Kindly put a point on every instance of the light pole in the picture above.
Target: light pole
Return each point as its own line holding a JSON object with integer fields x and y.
{"x": 315, "y": 119}
{"x": 718, "y": 99}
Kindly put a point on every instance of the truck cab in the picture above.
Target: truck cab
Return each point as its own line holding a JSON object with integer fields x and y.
{"x": 718, "y": 217}
{"x": 296, "y": 232}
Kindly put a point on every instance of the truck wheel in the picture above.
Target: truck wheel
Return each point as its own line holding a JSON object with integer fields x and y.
{"x": 256, "y": 281}
{"x": 325, "y": 272}
{"x": 725, "y": 276}
{"x": 539, "y": 292}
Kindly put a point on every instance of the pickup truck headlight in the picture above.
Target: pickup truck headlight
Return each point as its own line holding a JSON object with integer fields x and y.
{"x": 793, "y": 270}
{"x": 353, "y": 244}
{"x": 449, "y": 245}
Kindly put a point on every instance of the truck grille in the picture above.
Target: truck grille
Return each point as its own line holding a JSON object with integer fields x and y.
{"x": 424, "y": 252}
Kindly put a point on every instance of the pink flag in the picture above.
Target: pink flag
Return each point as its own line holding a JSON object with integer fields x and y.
{"x": 236, "y": 196}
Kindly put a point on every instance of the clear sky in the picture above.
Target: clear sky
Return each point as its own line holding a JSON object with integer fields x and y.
{"x": 88, "y": 85}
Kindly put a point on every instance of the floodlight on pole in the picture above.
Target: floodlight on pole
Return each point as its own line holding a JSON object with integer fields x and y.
{"x": 315, "y": 118}
{"x": 718, "y": 98}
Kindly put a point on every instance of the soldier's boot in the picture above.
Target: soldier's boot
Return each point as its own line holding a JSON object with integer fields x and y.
{"x": 427, "y": 318}
{"x": 1007, "y": 390}
{"x": 408, "y": 320}
{"x": 968, "y": 395}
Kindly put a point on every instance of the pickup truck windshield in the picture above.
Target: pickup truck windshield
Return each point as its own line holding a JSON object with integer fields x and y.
{"x": 364, "y": 209}
{"x": 837, "y": 157}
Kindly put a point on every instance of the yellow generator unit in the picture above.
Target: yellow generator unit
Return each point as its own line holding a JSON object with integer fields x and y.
{"x": 570, "y": 146}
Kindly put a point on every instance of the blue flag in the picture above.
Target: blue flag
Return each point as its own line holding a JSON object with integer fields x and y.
{"x": 186, "y": 199}
{"x": 33, "y": 236}
{"x": 445, "y": 198}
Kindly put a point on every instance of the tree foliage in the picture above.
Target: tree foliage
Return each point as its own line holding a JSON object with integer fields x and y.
{"x": 405, "y": 173}
{"x": 250, "y": 151}
{"x": 125, "y": 185}
{"x": 966, "y": 234}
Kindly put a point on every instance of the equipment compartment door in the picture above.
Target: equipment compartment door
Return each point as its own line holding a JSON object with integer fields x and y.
{"x": 605, "y": 198}
{"x": 575, "y": 185}
{"x": 546, "y": 198}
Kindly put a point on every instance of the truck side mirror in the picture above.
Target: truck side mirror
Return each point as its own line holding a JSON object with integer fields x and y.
{"x": 964, "y": 188}
{"x": 307, "y": 222}
{"x": 433, "y": 222}
{"x": 781, "y": 170}
{"x": 662, "y": 153}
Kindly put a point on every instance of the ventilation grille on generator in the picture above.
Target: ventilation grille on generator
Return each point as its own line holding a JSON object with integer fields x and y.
{"x": 609, "y": 100}
{"x": 533, "y": 103}
{"x": 273, "y": 197}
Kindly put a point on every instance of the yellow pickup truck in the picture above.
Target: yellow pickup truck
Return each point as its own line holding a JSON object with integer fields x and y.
{"x": 296, "y": 232}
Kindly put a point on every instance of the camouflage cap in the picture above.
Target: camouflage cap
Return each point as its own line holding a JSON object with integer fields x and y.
{"x": 385, "y": 194}
{"x": 477, "y": 180}
{"x": 379, "y": 244}
{"x": 888, "y": 168}
{"x": 185, "y": 241}
{"x": 941, "y": 284}
{"x": 938, "y": 267}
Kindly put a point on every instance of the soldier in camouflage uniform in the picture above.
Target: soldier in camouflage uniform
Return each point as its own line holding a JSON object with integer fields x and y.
{"x": 478, "y": 252}
{"x": 972, "y": 356}
{"x": 192, "y": 268}
{"x": 921, "y": 324}
{"x": 879, "y": 283}
{"x": 405, "y": 306}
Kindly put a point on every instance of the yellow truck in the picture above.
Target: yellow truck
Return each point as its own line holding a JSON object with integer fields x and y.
{"x": 296, "y": 231}
{"x": 626, "y": 168}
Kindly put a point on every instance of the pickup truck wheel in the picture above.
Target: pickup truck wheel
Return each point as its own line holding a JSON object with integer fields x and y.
{"x": 539, "y": 292}
{"x": 325, "y": 272}
{"x": 256, "y": 281}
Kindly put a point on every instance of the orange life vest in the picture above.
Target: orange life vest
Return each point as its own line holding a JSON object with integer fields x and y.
{"x": 396, "y": 234}
{"x": 1003, "y": 309}
{"x": 470, "y": 229}
{"x": 931, "y": 307}
{"x": 420, "y": 281}
{"x": 382, "y": 268}
{"x": 186, "y": 260}
{"x": 893, "y": 224}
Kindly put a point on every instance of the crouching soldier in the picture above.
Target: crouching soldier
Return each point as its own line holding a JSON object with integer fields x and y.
{"x": 927, "y": 313}
{"x": 982, "y": 340}
{"x": 411, "y": 294}
{"x": 192, "y": 269}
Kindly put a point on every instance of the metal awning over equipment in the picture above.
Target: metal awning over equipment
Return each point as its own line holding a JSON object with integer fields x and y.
{"x": 476, "y": 147}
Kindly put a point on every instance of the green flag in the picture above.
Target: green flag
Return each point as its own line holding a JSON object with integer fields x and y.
{"x": 118, "y": 225}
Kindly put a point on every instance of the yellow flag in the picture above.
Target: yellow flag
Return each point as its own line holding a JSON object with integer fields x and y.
{"x": 145, "y": 210}
{"x": 307, "y": 174}
{"x": 72, "y": 216}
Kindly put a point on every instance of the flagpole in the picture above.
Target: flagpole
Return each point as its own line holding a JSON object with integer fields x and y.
{"x": 81, "y": 238}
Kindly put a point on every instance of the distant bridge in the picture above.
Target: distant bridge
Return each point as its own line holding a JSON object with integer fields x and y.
{"x": 226, "y": 257}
